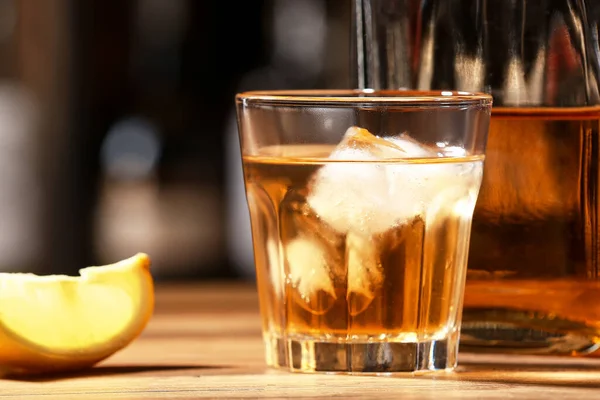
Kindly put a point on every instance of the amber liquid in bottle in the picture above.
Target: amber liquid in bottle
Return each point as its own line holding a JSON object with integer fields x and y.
{"x": 533, "y": 279}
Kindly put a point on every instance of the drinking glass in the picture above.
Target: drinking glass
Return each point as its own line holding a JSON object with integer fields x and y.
{"x": 361, "y": 205}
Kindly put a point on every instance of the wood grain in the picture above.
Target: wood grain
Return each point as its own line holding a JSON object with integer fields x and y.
{"x": 204, "y": 342}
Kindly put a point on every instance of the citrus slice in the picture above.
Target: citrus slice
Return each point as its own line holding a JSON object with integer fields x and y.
{"x": 61, "y": 323}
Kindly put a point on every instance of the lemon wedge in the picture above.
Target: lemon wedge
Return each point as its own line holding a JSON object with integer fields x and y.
{"x": 61, "y": 323}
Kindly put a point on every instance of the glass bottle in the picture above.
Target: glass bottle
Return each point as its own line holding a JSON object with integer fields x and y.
{"x": 533, "y": 284}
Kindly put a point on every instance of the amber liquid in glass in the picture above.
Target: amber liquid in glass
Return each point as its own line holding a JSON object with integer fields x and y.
{"x": 319, "y": 285}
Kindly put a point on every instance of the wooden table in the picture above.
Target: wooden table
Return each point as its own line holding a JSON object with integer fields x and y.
{"x": 204, "y": 342}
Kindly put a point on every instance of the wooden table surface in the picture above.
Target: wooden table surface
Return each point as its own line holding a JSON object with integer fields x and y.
{"x": 204, "y": 342}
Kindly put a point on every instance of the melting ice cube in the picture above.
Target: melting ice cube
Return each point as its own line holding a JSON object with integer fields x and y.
{"x": 368, "y": 194}
{"x": 309, "y": 274}
{"x": 365, "y": 273}
{"x": 364, "y": 191}
{"x": 314, "y": 253}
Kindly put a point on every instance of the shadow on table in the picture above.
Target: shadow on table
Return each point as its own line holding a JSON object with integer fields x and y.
{"x": 103, "y": 371}
{"x": 569, "y": 373}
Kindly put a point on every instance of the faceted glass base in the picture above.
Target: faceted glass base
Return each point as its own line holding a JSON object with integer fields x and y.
{"x": 307, "y": 355}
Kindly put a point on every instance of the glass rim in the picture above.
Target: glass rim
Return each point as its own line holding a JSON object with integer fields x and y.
{"x": 364, "y": 97}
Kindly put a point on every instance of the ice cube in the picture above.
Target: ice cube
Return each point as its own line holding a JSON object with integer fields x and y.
{"x": 368, "y": 194}
{"x": 367, "y": 189}
{"x": 361, "y": 140}
{"x": 309, "y": 274}
{"x": 457, "y": 194}
{"x": 365, "y": 273}
{"x": 411, "y": 147}
{"x": 314, "y": 253}
{"x": 297, "y": 217}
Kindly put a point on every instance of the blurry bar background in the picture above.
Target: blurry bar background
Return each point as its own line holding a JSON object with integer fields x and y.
{"x": 117, "y": 127}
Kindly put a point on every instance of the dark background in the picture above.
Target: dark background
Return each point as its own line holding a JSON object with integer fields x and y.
{"x": 117, "y": 132}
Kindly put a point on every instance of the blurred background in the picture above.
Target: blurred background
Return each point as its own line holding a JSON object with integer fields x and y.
{"x": 117, "y": 127}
